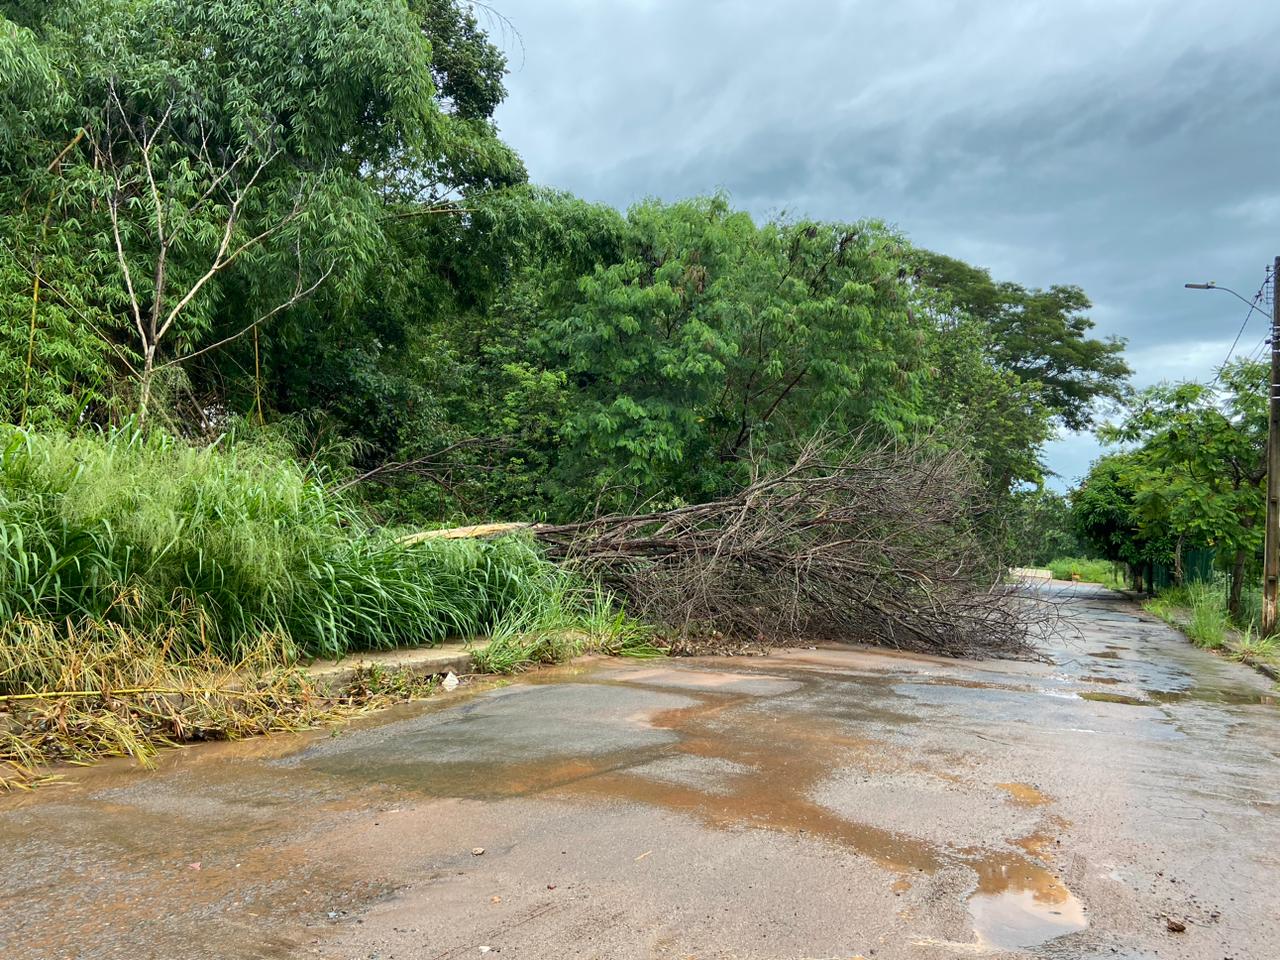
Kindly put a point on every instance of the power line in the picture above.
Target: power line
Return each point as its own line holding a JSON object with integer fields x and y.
{"x": 1253, "y": 305}
{"x": 1256, "y": 353}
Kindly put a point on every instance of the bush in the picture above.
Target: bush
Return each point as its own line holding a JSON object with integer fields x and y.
{"x": 132, "y": 529}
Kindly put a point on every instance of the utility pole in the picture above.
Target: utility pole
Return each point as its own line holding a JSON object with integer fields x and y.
{"x": 1271, "y": 543}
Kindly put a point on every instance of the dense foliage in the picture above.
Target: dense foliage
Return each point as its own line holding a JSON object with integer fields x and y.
{"x": 241, "y": 215}
{"x": 1191, "y": 475}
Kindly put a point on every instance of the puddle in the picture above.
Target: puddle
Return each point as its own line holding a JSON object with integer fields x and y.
{"x": 966, "y": 684}
{"x": 1024, "y": 794}
{"x": 761, "y": 684}
{"x": 1016, "y": 919}
{"x": 1223, "y": 695}
{"x": 782, "y": 762}
{"x": 1018, "y": 903}
{"x": 712, "y": 747}
{"x": 1108, "y": 697}
{"x": 1154, "y": 698}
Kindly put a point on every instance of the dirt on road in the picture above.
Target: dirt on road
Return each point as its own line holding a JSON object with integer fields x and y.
{"x": 1119, "y": 801}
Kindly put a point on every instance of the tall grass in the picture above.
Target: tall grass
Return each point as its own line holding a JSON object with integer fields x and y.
{"x": 127, "y": 528}
{"x": 570, "y": 619}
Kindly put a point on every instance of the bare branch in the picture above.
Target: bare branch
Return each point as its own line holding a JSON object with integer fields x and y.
{"x": 299, "y": 294}
{"x": 427, "y": 465}
{"x": 134, "y": 304}
{"x": 220, "y": 259}
{"x": 879, "y": 546}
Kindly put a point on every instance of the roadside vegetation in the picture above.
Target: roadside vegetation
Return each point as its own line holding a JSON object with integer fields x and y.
{"x": 1179, "y": 506}
{"x": 152, "y": 591}
{"x": 231, "y": 542}
{"x": 1087, "y": 570}
{"x": 274, "y": 293}
{"x": 1200, "y": 611}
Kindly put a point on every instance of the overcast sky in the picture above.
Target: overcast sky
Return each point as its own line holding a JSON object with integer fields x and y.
{"x": 1123, "y": 145}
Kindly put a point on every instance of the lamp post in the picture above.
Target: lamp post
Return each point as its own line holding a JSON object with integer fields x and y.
{"x": 1271, "y": 538}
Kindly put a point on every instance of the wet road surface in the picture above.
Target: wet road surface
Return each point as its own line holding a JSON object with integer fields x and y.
{"x": 810, "y": 804}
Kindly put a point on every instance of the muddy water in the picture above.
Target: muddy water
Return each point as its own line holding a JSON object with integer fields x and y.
{"x": 692, "y": 741}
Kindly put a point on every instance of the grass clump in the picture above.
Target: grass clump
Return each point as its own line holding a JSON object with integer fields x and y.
{"x": 1089, "y": 571}
{"x": 1199, "y": 610}
{"x": 1252, "y": 648}
{"x": 567, "y": 620}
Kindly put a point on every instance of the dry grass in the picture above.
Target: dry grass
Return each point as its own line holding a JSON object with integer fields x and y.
{"x": 78, "y": 692}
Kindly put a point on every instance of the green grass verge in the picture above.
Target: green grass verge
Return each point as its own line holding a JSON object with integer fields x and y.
{"x": 1198, "y": 610}
{"x": 239, "y": 542}
{"x": 1090, "y": 571}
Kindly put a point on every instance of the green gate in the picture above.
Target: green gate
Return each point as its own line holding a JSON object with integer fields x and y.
{"x": 1197, "y": 567}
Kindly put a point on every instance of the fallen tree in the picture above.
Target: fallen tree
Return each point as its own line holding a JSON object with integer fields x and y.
{"x": 849, "y": 542}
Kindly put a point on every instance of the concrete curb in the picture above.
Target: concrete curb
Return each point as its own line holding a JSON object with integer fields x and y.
{"x": 455, "y": 657}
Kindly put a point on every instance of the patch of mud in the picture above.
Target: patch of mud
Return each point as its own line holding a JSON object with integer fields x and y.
{"x": 1023, "y": 794}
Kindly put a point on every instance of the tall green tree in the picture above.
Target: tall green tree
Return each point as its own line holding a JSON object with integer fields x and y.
{"x": 1042, "y": 336}
{"x": 230, "y": 158}
{"x": 711, "y": 337}
{"x": 1105, "y": 514}
{"x": 1200, "y": 461}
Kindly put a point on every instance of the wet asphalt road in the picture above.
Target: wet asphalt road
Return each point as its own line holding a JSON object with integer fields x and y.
{"x": 811, "y": 804}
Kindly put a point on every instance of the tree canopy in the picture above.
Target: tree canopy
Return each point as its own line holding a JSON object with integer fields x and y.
{"x": 1192, "y": 475}
{"x": 303, "y": 217}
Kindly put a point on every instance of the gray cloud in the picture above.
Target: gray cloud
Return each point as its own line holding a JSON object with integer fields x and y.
{"x": 1124, "y": 145}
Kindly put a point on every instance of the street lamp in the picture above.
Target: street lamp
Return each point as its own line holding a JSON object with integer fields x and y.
{"x": 1212, "y": 285}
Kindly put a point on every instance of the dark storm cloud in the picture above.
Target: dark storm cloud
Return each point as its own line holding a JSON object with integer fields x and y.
{"x": 1124, "y": 145}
